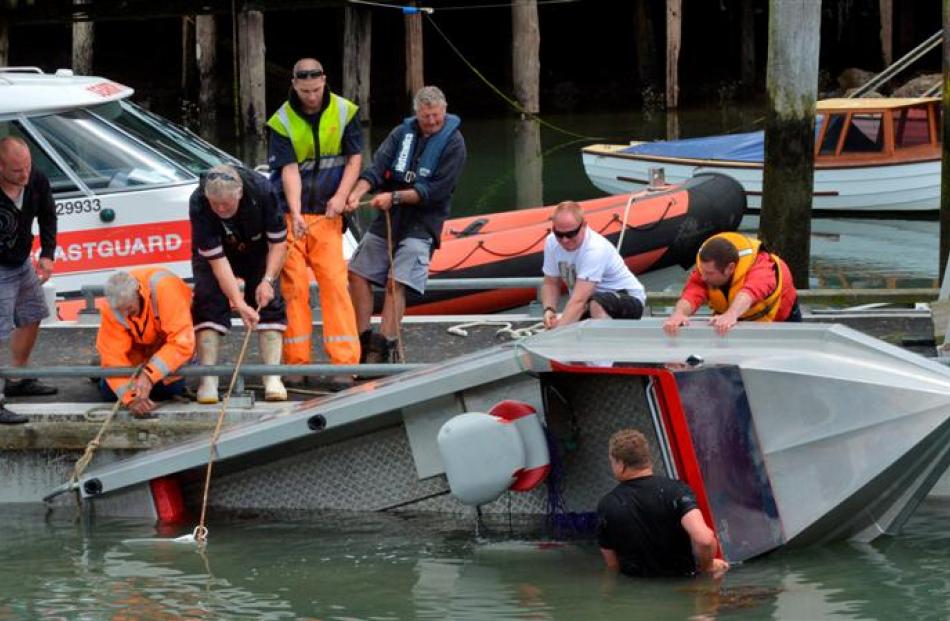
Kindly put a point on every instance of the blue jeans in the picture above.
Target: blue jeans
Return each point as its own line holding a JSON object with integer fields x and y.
{"x": 160, "y": 391}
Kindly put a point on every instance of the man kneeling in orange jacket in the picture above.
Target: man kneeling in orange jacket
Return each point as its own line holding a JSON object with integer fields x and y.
{"x": 146, "y": 321}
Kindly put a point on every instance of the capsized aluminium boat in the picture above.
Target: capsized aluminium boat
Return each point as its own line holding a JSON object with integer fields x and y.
{"x": 655, "y": 228}
{"x": 871, "y": 155}
{"x": 788, "y": 433}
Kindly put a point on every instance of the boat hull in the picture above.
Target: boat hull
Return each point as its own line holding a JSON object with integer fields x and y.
{"x": 906, "y": 187}
{"x": 789, "y": 434}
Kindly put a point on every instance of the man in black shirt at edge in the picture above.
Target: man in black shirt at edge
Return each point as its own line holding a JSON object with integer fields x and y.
{"x": 650, "y": 525}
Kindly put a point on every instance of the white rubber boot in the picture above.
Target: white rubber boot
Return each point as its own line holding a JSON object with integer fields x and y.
{"x": 208, "y": 342}
{"x": 272, "y": 345}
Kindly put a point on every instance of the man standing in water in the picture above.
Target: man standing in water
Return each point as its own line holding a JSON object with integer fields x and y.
{"x": 651, "y": 525}
{"x": 24, "y": 195}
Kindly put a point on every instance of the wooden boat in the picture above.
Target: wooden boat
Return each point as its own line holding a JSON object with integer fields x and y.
{"x": 663, "y": 227}
{"x": 790, "y": 434}
{"x": 871, "y": 155}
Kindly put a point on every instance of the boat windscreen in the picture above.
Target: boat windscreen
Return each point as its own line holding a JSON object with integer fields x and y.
{"x": 173, "y": 141}
{"x": 104, "y": 158}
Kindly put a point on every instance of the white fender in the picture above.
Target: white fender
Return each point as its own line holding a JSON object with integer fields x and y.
{"x": 482, "y": 455}
{"x": 537, "y": 463}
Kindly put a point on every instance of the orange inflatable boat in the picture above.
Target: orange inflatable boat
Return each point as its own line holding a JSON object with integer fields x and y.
{"x": 664, "y": 227}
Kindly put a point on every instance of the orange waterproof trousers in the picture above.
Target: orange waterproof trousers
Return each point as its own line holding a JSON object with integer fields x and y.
{"x": 320, "y": 249}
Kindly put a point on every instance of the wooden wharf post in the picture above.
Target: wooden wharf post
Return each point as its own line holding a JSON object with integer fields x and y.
{"x": 84, "y": 36}
{"x": 887, "y": 31}
{"x": 251, "y": 70}
{"x": 357, "y": 53}
{"x": 206, "y": 58}
{"x": 414, "y": 59}
{"x": 526, "y": 74}
{"x": 792, "y": 86}
{"x": 4, "y": 39}
{"x": 747, "y": 47}
{"x": 674, "y": 27}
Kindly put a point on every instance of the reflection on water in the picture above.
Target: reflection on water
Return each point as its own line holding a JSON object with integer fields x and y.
{"x": 390, "y": 567}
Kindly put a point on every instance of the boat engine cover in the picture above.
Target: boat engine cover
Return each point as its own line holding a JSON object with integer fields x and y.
{"x": 482, "y": 455}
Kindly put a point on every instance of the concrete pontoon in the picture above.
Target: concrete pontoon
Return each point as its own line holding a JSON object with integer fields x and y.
{"x": 789, "y": 433}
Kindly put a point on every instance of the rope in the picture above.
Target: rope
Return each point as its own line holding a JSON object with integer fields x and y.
{"x": 505, "y": 330}
{"x": 200, "y": 533}
{"x": 515, "y": 105}
{"x": 86, "y": 458}
{"x": 391, "y": 286}
{"x": 406, "y": 10}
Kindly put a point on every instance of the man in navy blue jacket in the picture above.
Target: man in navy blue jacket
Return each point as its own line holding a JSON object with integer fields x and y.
{"x": 24, "y": 195}
{"x": 414, "y": 173}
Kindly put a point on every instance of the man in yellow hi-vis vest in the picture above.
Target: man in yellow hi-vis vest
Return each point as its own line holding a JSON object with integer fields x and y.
{"x": 314, "y": 149}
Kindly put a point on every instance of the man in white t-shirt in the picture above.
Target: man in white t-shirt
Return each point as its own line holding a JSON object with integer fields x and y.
{"x": 599, "y": 282}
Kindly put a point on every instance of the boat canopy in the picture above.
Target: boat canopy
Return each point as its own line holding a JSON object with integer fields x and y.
{"x": 748, "y": 147}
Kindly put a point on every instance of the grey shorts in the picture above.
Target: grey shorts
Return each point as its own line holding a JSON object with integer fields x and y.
{"x": 21, "y": 298}
{"x": 371, "y": 261}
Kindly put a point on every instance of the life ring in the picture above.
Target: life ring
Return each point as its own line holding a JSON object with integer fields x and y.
{"x": 537, "y": 464}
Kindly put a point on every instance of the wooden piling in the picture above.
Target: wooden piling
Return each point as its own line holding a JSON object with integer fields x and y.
{"x": 674, "y": 28}
{"x": 4, "y": 40}
{"x": 206, "y": 57}
{"x": 357, "y": 52}
{"x": 188, "y": 60}
{"x": 84, "y": 37}
{"x": 792, "y": 87}
{"x": 529, "y": 165}
{"x": 887, "y": 31}
{"x": 414, "y": 61}
{"x": 747, "y": 48}
{"x": 526, "y": 54}
{"x": 251, "y": 70}
{"x": 646, "y": 45}
{"x": 945, "y": 136}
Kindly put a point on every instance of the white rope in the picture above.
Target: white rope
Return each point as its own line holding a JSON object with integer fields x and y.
{"x": 505, "y": 329}
{"x": 623, "y": 223}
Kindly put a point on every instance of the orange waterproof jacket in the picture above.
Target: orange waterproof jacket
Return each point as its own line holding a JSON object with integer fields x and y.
{"x": 161, "y": 335}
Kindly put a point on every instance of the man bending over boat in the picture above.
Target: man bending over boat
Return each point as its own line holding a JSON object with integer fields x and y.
{"x": 237, "y": 231}
{"x": 413, "y": 173}
{"x": 741, "y": 281}
{"x": 650, "y": 525}
{"x": 146, "y": 321}
{"x": 600, "y": 284}
{"x": 24, "y": 195}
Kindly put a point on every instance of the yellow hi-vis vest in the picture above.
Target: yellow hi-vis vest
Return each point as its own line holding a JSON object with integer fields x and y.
{"x": 764, "y": 310}
{"x": 333, "y": 120}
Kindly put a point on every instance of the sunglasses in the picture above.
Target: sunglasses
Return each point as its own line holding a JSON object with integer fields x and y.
{"x": 306, "y": 74}
{"x": 220, "y": 175}
{"x": 568, "y": 234}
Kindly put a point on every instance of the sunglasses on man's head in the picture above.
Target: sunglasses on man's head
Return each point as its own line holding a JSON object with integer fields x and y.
{"x": 220, "y": 175}
{"x": 568, "y": 234}
{"x": 306, "y": 74}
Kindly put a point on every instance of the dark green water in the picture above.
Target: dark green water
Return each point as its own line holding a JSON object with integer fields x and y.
{"x": 383, "y": 567}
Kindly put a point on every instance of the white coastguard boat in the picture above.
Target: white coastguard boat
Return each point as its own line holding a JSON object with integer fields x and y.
{"x": 121, "y": 175}
{"x": 871, "y": 156}
{"x": 789, "y": 434}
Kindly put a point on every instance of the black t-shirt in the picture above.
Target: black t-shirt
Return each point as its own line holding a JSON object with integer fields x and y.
{"x": 243, "y": 237}
{"x": 640, "y": 522}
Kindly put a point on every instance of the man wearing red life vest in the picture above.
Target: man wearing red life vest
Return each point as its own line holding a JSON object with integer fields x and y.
{"x": 741, "y": 281}
{"x": 146, "y": 320}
